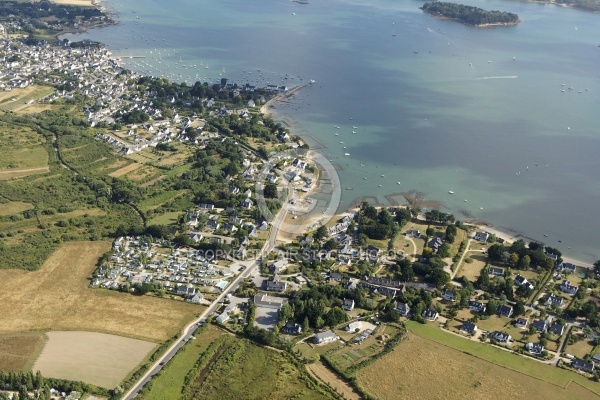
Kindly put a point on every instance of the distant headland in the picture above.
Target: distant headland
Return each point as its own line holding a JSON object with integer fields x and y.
{"x": 470, "y": 15}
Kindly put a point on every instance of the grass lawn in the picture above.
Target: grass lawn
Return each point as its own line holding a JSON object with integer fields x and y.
{"x": 580, "y": 348}
{"x": 494, "y": 323}
{"x": 18, "y": 352}
{"x": 501, "y": 358}
{"x": 14, "y": 207}
{"x": 165, "y": 219}
{"x": 159, "y": 199}
{"x": 63, "y": 300}
{"x": 23, "y": 152}
{"x": 169, "y": 384}
{"x": 432, "y": 364}
{"x": 472, "y": 270}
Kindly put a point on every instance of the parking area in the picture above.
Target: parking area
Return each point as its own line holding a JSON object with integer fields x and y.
{"x": 266, "y": 318}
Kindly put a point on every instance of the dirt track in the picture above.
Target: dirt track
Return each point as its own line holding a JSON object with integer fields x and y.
{"x": 323, "y": 374}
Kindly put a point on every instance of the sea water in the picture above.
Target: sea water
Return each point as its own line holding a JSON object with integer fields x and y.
{"x": 437, "y": 106}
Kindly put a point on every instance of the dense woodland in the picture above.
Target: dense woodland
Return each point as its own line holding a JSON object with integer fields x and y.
{"x": 469, "y": 15}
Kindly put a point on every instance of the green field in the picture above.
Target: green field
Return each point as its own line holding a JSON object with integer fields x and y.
{"x": 170, "y": 382}
{"x": 245, "y": 370}
{"x": 231, "y": 368}
{"x": 20, "y": 100}
{"x": 503, "y": 358}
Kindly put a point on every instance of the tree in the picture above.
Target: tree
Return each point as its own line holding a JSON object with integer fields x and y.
{"x": 492, "y": 305}
{"x": 305, "y": 325}
{"x": 430, "y": 231}
{"x": 519, "y": 308}
{"x": 444, "y": 250}
{"x": 495, "y": 252}
{"x": 320, "y": 233}
{"x": 525, "y": 262}
{"x": 513, "y": 260}
{"x": 270, "y": 191}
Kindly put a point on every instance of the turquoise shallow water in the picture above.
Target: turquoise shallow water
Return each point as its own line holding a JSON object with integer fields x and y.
{"x": 437, "y": 106}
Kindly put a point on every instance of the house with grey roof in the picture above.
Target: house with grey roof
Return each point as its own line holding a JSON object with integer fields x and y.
{"x": 325, "y": 337}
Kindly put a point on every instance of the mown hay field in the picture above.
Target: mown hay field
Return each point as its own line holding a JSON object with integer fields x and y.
{"x": 57, "y": 297}
{"x": 91, "y": 357}
{"x": 426, "y": 369}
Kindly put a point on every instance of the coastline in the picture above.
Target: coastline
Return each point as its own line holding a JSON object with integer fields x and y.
{"x": 265, "y": 109}
{"x": 505, "y": 234}
{"x": 412, "y": 197}
{"x": 483, "y": 26}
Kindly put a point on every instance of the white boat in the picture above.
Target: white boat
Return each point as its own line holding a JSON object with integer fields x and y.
{"x": 450, "y": 191}
{"x": 398, "y": 182}
{"x": 311, "y": 81}
{"x": 346, "y": 154}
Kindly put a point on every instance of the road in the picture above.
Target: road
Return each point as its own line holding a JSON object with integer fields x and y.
{"x": 191, "y": 328}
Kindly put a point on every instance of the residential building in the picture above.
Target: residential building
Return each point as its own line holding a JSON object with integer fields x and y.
{"x": 565, "y": 266}
{"x": 194, "y": 298}
{"x": 557, "y": 328}
{"x": 348, "y": 304}
{"x": 582, "y": 365}
{"x": 274, "y": 285}
{"x": 504, "y": 311}
{"x": 534, "y": 348}
{"x": 448, "y": 295}
{"x": 496, "y": 271}
{"x": 435, "y": 243}
{"x": 521, "y": 323}
{"x": 468, "y": 327}
{"x": 477, "y": 306}
{"x": 413, "y": 233}
{"x": 540, "y": 325}
{"x": 264, "y": 300}
{"x": 501, "y": 337}
{"x": 566, "y": 287}
{"x": 278, "y": 266}
{"x": 325, "y": 337}
{"x": 554, "y": 300}
{"x": 521, "y": 281}
{"x": 481, "y": 236}
{"x": 402, "y": 309}
{"x": 292, "y": 328}
{"x": 430, "y": 315}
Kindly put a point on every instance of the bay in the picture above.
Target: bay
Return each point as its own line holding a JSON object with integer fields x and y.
{"x": 437, "y": 106}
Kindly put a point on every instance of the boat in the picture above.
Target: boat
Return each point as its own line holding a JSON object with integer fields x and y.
{"x": 398, "y": 182}
{"x": 383, "y": 176}
{"x": 349, "y": 188}
{"x": 346, "y": 154}
{"x": 450, "y": 191}
{"x": 311, "y": 81}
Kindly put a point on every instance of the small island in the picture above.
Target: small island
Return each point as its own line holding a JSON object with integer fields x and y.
{"x": 469, "y": 15}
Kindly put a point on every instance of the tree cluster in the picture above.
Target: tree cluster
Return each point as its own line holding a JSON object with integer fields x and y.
{"x": 375, "y": 224}
{"x": 468, "y": 14}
